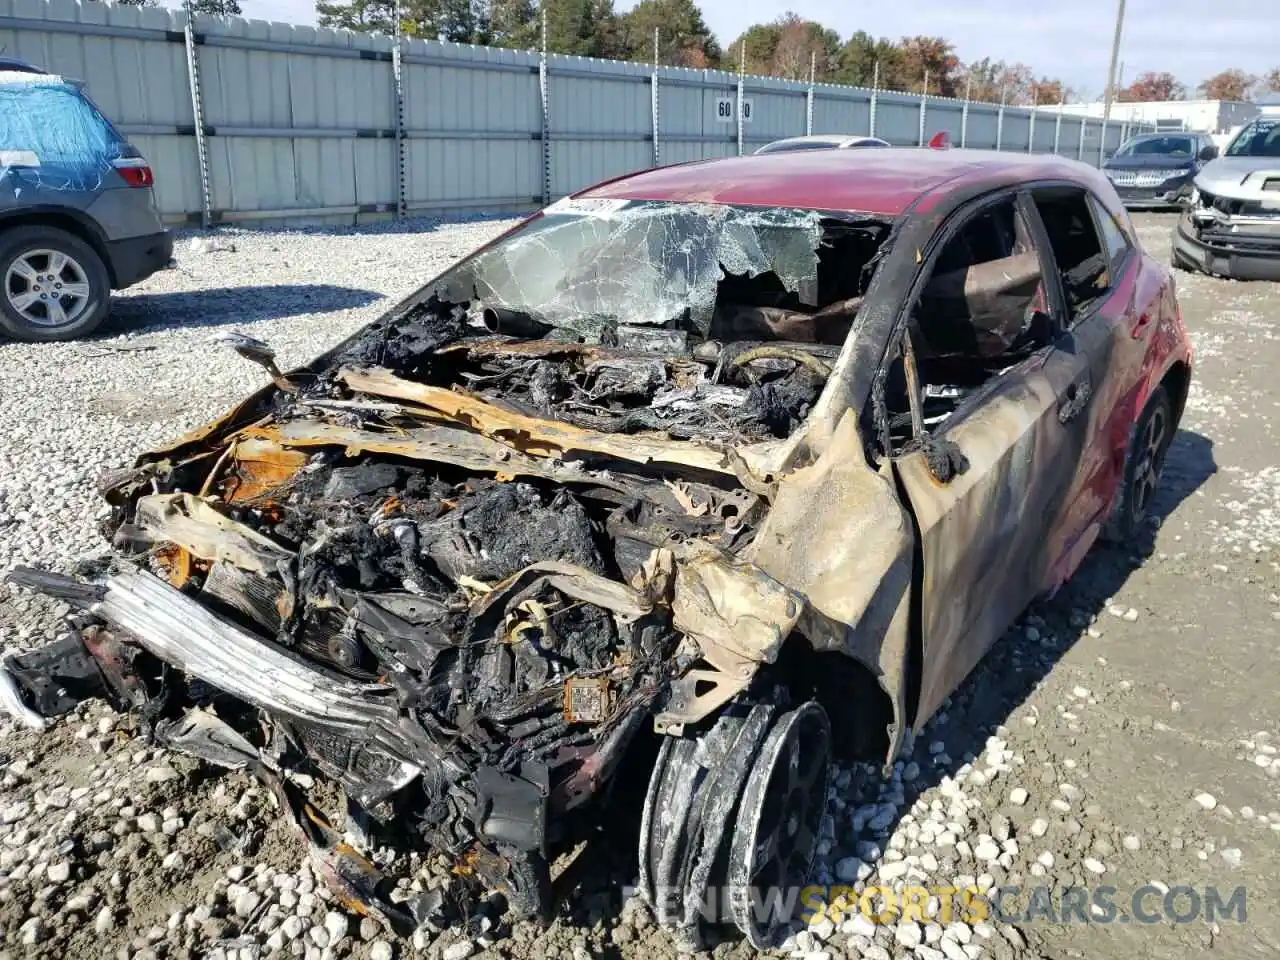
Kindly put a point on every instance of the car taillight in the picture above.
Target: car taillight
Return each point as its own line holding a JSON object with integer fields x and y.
{"x": 135, "y": 171}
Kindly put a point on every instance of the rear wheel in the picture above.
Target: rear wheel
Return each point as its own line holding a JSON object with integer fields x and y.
{"x": 53, "y": 285}
{"x": 1143, "y": 464}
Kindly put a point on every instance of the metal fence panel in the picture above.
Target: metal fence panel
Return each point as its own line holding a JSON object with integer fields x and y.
{"x": 841, "y": 110}
{"x": 301, "y": 122}
{"x": 898, "y": 118}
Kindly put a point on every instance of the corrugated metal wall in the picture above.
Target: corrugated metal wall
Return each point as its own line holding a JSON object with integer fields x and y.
{"x": 306, "y": 123}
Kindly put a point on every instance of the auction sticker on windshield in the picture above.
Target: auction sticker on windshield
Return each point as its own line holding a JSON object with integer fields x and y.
{"x": 603, "y": 207}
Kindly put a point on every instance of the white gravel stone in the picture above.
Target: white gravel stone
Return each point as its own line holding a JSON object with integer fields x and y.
{"x": 15, "y": 812}
{"x": 104, "y": 921}
{"x": 1018, "y": 796}
{"x": 1094, "y": 866}
{"x": 1233, "y": 856}
{"x": 1039, "y": 827}
{"x": 381, "y": 950}
{"x": 908, "y": 934}
{"x": 1206, "y": 800}
{"x": 458, "y": 951}
{"x": 58, "y": 872}
{"x": 336, "y": 924}
{"x": 1132, "y": 842}
{"x": 246, "y": 903}
{"x": 986, "y": 850}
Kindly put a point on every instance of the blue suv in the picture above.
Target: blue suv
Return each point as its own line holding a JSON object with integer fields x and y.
{"x": 77, "y": 211}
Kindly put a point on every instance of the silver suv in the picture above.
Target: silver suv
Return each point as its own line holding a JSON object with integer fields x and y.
{"x": 77, "y": 212}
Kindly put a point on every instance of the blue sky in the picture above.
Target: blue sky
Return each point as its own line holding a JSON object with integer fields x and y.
{"x": 1192, "y": 39}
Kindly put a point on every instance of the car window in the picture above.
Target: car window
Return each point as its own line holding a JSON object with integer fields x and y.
{"x": 1113, "y": 237}
{"x": 1158, "y": 146}
{"x": 1260, "y": 138}
{"x": 52, "y": 136}
{"x": 980, "y": 308}
{"x": 1081, "y": 257}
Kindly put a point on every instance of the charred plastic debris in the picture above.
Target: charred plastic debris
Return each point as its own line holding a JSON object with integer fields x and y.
{"x": 459, "y": 563}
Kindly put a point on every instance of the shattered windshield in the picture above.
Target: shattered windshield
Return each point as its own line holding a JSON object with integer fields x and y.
{"x": 588, "y": 265}
{"x": 1261, "y": 138}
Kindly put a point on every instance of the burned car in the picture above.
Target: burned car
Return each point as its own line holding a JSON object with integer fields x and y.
{"x": 1231, "y": 227}
{"x": 741, "y": 461}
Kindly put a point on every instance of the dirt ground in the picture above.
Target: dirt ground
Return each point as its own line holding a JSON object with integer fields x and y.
{"x": 1136, "y": 714}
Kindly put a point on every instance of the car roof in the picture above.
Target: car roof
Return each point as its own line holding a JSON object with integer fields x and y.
{"x": 884, "y": 182}
{"x": 14, "y": 65}
{"x": 1160, "y": 135}
{"x": 819, "y": 140}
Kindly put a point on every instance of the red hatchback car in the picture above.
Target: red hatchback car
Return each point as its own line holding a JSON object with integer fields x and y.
{"x": 767, "y": 451}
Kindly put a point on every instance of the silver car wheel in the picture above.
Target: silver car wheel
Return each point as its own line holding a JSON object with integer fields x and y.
{"x": 47, "y": 288}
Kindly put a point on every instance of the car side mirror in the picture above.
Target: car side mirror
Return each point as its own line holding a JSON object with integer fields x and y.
{"x": 1209, "y": 153}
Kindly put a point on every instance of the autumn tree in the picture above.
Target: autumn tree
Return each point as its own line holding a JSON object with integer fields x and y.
{"x": 1046, "y": 91}
{"x": 1231, "y": 84}
{"x": 684, "y": 40}
{"x": 995, "y": 81}
{"x": 931, "y": 57}
{"x": 1271, "y": 82}
{"x": 1152, "y": 87}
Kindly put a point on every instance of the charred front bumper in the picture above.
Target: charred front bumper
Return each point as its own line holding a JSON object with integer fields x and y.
{"x": 1241, "y": 247}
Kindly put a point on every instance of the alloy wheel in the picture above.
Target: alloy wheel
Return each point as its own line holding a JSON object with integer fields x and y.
{"x": 47, "y": 288}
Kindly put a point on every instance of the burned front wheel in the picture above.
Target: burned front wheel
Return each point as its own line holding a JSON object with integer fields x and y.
{"x": 779, "y": 817}
{"x": 732, "y": 818}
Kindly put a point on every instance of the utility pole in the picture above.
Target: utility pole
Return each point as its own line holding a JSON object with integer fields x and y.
{"x": 1111, "y": 70}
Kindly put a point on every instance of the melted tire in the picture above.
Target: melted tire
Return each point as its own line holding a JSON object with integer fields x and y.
{"x": 688, "y": 814}
{"x": 779, "y": 820}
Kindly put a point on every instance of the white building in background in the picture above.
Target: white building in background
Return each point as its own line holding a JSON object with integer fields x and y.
{"x": 1218, "y": 117}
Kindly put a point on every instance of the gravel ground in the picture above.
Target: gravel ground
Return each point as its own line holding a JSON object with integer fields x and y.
{"x": 1124, "y": 734}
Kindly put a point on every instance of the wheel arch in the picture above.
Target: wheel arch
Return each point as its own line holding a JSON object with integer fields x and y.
{"x": 1177, "y": 383}
{"x": 74, "y": 222}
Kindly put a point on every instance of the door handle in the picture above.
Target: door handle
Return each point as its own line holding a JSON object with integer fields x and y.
{"x": 1074, "y": 400}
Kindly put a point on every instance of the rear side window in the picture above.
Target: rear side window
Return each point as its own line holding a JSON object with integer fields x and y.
{"x": 1113, "y": 237}
{"x": 1082, "y": 259}
{"x": 51, "y": 136}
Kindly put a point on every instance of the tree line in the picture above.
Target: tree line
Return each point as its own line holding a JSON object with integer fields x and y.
{"x": 1231, "y": 84}
{"x": 790, "y": 47}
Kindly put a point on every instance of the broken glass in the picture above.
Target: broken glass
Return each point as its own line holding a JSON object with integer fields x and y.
{"x": 591, "y": 265}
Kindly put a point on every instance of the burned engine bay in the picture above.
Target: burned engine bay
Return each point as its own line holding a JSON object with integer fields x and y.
{"x": 456, "y": 564}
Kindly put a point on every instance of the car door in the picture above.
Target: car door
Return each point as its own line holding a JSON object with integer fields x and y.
{"x": 1013, "y": 443}
{"x": 1111, "y": 307}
